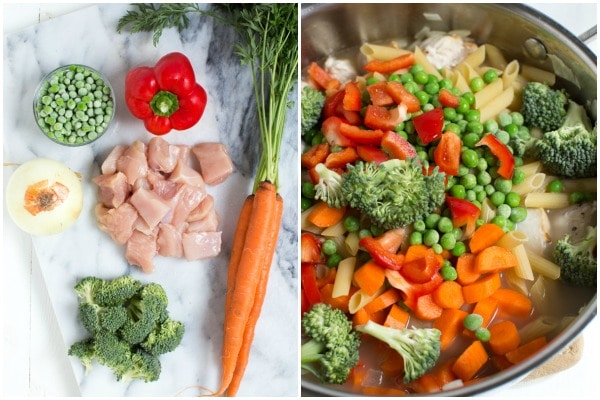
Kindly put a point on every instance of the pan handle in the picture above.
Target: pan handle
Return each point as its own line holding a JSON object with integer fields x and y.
{"x": 589, "y": 35}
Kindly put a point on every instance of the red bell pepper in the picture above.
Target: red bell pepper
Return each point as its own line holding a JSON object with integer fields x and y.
{"x": 330, "y": 128}
{"x": 165, "y": 96}
{"x": 447, "y": 153}
{"x": 321, "y": 78}
{"x": 310, "y": 249}
{"x": 309, "y": 284}
{"x": 371, "y": 154}
{"x": 339, "y": 159}
{"x": 502, "y": 152}
{"x": 464, "y": 213}
{"x": 412, "y": 291}
{"x": 448, "y": 99}
{"x": 429, "y": 125}
{"x": 402, "y": 96}
{"x": 379, "y": 95}
{"x": 378, "y": 117}
{"x": 380, "y": 255}
{"x": 397, "y": 147}
{"x": 352, "y": 97}
{"x": 421, "y": 270}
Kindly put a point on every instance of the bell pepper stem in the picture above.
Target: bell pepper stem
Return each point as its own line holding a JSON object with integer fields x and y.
{"x": 164, "y": 103}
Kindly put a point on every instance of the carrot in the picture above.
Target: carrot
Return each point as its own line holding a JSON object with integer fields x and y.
{"x": 450, "y": 323}
{"x": 369, "y": 277}
{"x": 360, "y": 317}
{"x": 393, "y": 365}
{"x": 487, "y": 309}
{"x": 426, "y": 308}
{"x": 384, "y": 300}
{"x": 396, "y": 317}
{"x": 482, "y": 288}
{"x": 485, "y": 236}
{"x": 526, "y": 350}
{"x": 448, "y": 99}
{"x": 513, "y": 303}
{"x": 315, "y": 155}
{"x": 465, "y": 269}
{"x": 339, "y": 159}
{"x": 386, "y": 67}
{"x": 426, "y": 384}
{"x": 470, "y": 361}
{"x": 341, "y": 302}
{"x": 248, "y": 285}
{"x": 324, "y": 216}
{"x": 494, "y": 259}
{"x": 449, "y": 295}
{"x": 504, "y": 337}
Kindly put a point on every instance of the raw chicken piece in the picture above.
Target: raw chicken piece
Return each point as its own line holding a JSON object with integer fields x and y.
{"x": 169, "y": 241}
{"x": 203, "y": 209}
{"x": 210, "y": 223}
{"x": 109, "y": 166}
{"x": 117, "y": 222}
{"x": 188, "y": 198}
{"x": 447, "y": 50}
{"x": 150, "y": 206}
{"x": 199, "y": 245}
{"x": 162, "y": 156}
{"x": 215, "y": 162}
{"x": 113, "y": 189}
{"x": 133, "y": 162}
{"x": 183, "y": 173}
{"x": 140, "y": 250}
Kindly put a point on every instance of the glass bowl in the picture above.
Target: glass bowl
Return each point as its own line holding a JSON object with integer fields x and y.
{"x": 74, "y": 105}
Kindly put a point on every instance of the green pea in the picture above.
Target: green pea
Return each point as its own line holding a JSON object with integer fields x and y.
{"x": 305, "y": 203}
{"x": 503, "y": 185}
{"x": 404, "y": 78}
{"x": 503, "y": 210}
{"x": 437, "y": 248}
{"x": 452, "y": 127}
{"x": 476, "y": 84}
{"x": 497, "y": 198}
{"x": 518, "y": 177}
{"x": 352, "y": 223}
{"x": 372, "y": 80}
{"x": 448, "y": 273}
{"x": 432, "y": 87}
{"x": 448, "y": 241}
{"x": 512, "y": 199}
{"x": 449, "y": 113}
{"x": 432, "y": 220}
{"x": 420, "y": 226}
{"x": 483, "y": 334}
{"x": 458, "y": 191}
{"x": 490, "y": 75}
{"x": 555, "y": 186}
{"x": 308, "y": 190}
{"x": 470, "y": 158}
{"x": 504, "y": 119}
{"x": 463, "y": 106}
{"x": 329, "y": 247}
{"x": 473, "y": 321}
{"x": 469, "y": 181}
{"x": 416, "y": 237}
{"x": 500, "y": 220}
{"x": 364, "y": 233}
{"x": 470, "y": 139}
{"x": 445, "y": 225}
{"x": 459, "y": 249}
{"x": 411, "y": 87}
{"x": 446, "y": 83}
{"x": 517, "y": 118}
{"x": 475, "y": 127}
{"x": 431, "y": 237}
{"x": 472, "y": 115}
{"x": 503, "y": 136}
{"x": 491, "y": 125}
{"x": 423, "y": 97}
{"x": 420, "y": 77}
{"x": 333, "y": 260}
{"x": 518, "y": 214}
{"x": 511, "y": 129}
{"x": 484, "y": 178}
{"x": 469, "y": 98}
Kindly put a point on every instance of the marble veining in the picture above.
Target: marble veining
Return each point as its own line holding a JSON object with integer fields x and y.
{"x": 196, "y": 289}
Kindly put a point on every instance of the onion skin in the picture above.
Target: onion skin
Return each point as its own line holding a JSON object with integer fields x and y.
{"x": 51, "y": 181}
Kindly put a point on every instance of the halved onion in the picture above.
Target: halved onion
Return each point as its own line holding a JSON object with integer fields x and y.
{"x": 44, "y": 196}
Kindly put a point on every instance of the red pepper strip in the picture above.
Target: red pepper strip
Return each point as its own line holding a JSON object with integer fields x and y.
{"x": 309, "y": 284}
{"x": 421, "y": 270}
{"x": 447, "y": 153}
{"x": 378, "y": 117}
{"x": 339, "y": 159}
{"x": 315, "y": 155}
{"x": 382, "y": 257}
{"x": 448, "y": 99}
{"x": 397, "y": 147}
{"x": 463, "y": 213}
{"x": 371, "y": 154}
{"x": 402, "y": 96}
{"x": 322, "y": 78}
{"x": 352, "y": 97}
{"x": 330, "y": 128}
{"x": 412, "y": 291}
{"x": 333, "y": 102}
{"x": 361, "y": 136}
{"x": 310, "y": 249}
{"x": 502, "y": 152}
{"x": 429, "y": 125}
{"x": 379, "y": 95}
{"x": 386, "y": 67}
{"x": 166, "y": 96}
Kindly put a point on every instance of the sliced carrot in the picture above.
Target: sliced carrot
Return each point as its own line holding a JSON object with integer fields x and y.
{"x": 397, "y": 317}
{"x": 339, "y": 159}
{"x": 426, "y": 384}
{"x": 324, "y": 216}
{"x": 386, "y": 67}
{"x": 450, "y": 323}
{"x": 384, "y": 300}
{"x": 415, "y": 252}
{"x": 340, "y": 302}
{"x": 465, "y": 269}
{"x": 487, "y": 309}
{"x": 504, "y": 337}
{"x": 526, "y": 350}
{"x": 321, "y": 77}
{"x": 315, "y": 155}
{"x": 485, "y": 236}
{"x": 435, "y": 380}
{"x": 449, "y": 295}
{"x": 448, "y": 99}
{"x": 500, "y": 362}
{"x": 482, "y": 288}
{"x": 427, "y": 309}
{"x": 494, "y": 259}
{"x": 352, "y": 97}
{"x": 513, "y": 303}
{"x": 393, "y": 365}
{"x": 470, "y": 361}
{"x": 370, "y": 277}
{"x": 360, "y": 317}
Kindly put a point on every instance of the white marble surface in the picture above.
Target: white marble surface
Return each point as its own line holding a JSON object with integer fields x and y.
{"x": 196, "y": 289}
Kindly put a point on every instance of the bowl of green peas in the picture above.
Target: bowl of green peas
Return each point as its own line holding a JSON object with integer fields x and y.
{"x": 74, "y": 105}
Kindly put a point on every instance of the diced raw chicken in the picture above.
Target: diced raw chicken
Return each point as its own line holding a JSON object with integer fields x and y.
{"x": 166, "y": 189}
{"x": 447, "y": 50}
{"x": 109, "y": 166}
{"x": 113, "y": 189}
{"x": 117, "y": 222}
{"x": 169, "y": 241}
{"x": 200, "y": 245}
{"x": 140, "y": 251}
{"x": 133, "y": 162}
{"x": 210, "y": 223}
{"x": 162, "y": 156}
{"x": 203, "y": 209}
{"x": 150, "y": 206}
{"x": 188, "y": 198}
{"x": 215, "y": 162}
{"x": 142, "y": 226}
{"x": 183, "y": 173}
{"x": 183, "y": 152}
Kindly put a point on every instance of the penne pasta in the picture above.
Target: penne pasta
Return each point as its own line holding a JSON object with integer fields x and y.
{"x": 510, "y": 74}
{"x": 334, "y": 230}
{"x": 494, "y": 57}
{"x": 498, "y": 104}
{"x": 547, "y": 200}
{"x": 532, "y": 183}
{"x": 523, "y": 268}
{"x": 512, "y": 239}
{"x": 359, "y": 299}
{"x": 467, "y": 71}
{"x": 540, "y": 326}
{"x": 460, "y": 82}
{"x": 534, "y": 74}
{"x": 531, "y": 168}
{"x": 476, "y": 58}
{"x": 380, "y": 52}
{"x": 543, "y": 266}
{"x": 516, "y": 282}
{"x": 343, "y": 277}
{"x": 351, "y": 243}
{"x": 489, "y": 93}
{"x": 421, "y": 58}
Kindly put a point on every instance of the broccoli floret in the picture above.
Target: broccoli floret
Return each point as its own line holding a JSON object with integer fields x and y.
{"x": 117, "y": 291}
{"x": 329, "y": 187}
{"x": 165, "y": 338}
{"x": 577, "y": 260}
{"x": 542, "y": 106}
{"x": 332, "y": 348}
{"x": 521, "y": 142}
{"x": 88, "y": 287}
{"x": 144, "y": 366}
{"x": 394, "y": 193}
{"x": 419, "y": 347}
{"x": 145, "y": 310}
{"x": 312, "y": 101}
{"x": 570, "y": 150}
{"x": 86, "y": 352}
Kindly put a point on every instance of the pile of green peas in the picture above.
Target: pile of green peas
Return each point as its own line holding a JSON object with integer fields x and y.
{"x": 74, "y": 105}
